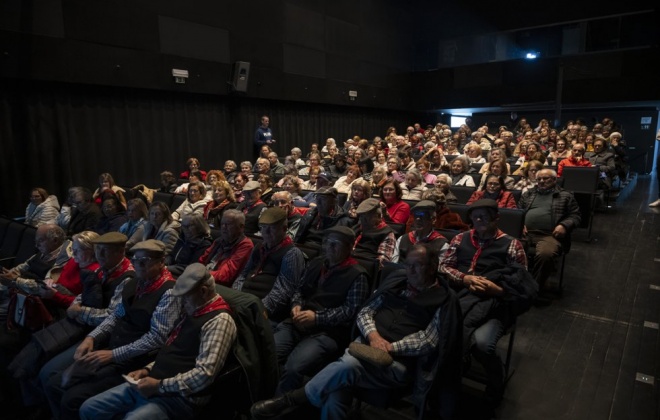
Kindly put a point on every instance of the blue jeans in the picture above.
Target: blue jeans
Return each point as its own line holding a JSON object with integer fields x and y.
{"x": 124, "y": 400}
{"x": 332, "y": 388}
{"x": 484, "y": 348}
{"x": 301, "y": 355}
{"x": 55, "y": 365}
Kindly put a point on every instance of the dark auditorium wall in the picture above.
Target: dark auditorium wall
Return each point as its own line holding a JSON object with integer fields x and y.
{"x": 57, "y": 135}
{"x": 299, "y": 50}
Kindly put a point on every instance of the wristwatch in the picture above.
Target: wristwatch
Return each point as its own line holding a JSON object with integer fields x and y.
{"x": 161, "y": 388}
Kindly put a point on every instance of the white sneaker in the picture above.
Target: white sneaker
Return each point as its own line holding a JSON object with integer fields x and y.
{"x": 656, "y": 203}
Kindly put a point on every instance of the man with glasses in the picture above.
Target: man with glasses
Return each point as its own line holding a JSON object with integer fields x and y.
{"x": 489, "y": 268}
{"x": 284, "y": 200}
{"x": 551, "y": 215}
{"x": 375, "y": 239}
{"x": 409, "y": 333}
{"x": 575, "y": 159}
{"x": 323, "y": 308}
{"x": 421, "y": 231}
{"x": 324, "y": 215}
{"x": 275, "y": 267}
{"x": 127, "y": 339}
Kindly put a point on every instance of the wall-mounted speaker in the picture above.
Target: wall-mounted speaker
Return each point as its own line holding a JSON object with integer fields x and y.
{"x": 240, "y": 76}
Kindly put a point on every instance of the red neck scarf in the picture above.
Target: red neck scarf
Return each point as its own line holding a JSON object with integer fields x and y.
{"x": 381, "y": 225}
{"x": 247, "y": 209}
{"x": 428, "y": 238}
{"x": 327, "y": 272}
{"x": 217, "y": 303}
{"x": 265, "y": 253}
{"x": 475, "y": 243}
{"x": 143, "y": 289}
{"x": 124, "y": 266}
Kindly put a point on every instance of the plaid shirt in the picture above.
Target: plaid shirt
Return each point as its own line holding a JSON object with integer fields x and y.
{"x": 163, "y": 320}
{"x": 449, "y": 261}
{"x": 216, "y": 339}
{"x": 415, "y": 344}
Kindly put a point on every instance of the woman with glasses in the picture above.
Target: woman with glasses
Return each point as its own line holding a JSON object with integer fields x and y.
{"x": 194, "y": 203}
{"x": 494, "y": 189}
{"x": 528, "y": 178}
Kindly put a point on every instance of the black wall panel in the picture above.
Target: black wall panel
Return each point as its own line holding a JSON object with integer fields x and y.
{"x": 304, "y": 61}
{"x": 304, "y": 27}
{"x": 190, "y": 39}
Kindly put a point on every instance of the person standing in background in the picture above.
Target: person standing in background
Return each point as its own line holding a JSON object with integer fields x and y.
{"x": 262, "y": 136}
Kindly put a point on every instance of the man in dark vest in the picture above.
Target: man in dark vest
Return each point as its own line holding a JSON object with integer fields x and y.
{"x": 284, "y": 200}
{"x": 194, "y": 353}
{"x": 409, "y": 333}
{"x": 489, "y": 268}
{"x": 422, "y": 231}
{"x": 374, "y": 238}
{"x": 275, "y": 267}
{"x": 252, "y": 206}
{"x": 127, "y": 339}
{"x": 323, "y": 309}
{"x": 325, "y": 215}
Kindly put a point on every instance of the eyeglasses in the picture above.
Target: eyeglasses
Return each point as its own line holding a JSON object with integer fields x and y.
{"x": 493, "y": 184}
{"x": 193, "y": 191}
{"x": 544, "y": 178}
{"x": 141, "y": 260}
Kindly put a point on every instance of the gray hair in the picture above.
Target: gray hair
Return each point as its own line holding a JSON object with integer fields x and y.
{"x": 55, "y": 233}
{"x": 235, "y": 214}
{"x": 85, "y": 238}
{"x": 246, "y": 162}
{"x": 198, "y": 223}
{"x": 416, "y": 174}
{"x": 445, "y": 176}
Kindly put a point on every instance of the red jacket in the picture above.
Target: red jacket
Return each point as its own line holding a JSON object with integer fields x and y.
{"x": 504, "y": 200}
{"x": 228, "y": 269}
{"x": 70, "y": 278}
{"x": 570, "y": 161}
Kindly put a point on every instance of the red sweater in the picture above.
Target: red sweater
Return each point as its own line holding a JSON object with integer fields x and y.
{"x": 227, "y": 270}
{"x": 570, "y": 161}
{"x": 70, "y": 278}
{"x": 505, "y": 199}
{"x": 399, "y": 212}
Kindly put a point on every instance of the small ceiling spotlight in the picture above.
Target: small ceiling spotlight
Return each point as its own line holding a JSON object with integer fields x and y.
{"x": 532, "y": 55}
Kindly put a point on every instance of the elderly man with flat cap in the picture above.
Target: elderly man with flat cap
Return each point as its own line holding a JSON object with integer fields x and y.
{"x": 252, "y": 206}
{"x": 127, "y": 339}
{"x": 323, "y": 309}
{"x": 325, "y": 215}
{"x": 284, "y": 200}
{"x": 375, "y": 239}
{"x": 275, "y": 267}
{"x": 194, "y": 353}
{"x": 423, "y": 215}
{"x": 489, "y": 268}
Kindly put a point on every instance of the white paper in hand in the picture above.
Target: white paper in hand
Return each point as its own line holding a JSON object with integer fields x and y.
{"x": 130, "y": 380}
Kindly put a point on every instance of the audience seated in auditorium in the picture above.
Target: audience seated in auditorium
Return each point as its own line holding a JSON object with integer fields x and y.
{"x": 138, "y": 326}
{"x": 459, "y": 172}
{"x": 239, "y": 183}
{"x": 420, "y": 230}
{"x": 194, "y": 240}
{"x": 284, "y": 200}
{"x": 422, "y": 351}
{"x": 43, "y": 208}
{"x": 343, "y": 184}
{"x": 414, "y": 186}
{"x": 495, "y": 155}
{"x": 326, "y": 214}
{"x": 604, "y": 160}
{"x": 113, "y": 217}
{"x": 229, "y": 171}
{"x": 274, "y": 271}
{"x": 293, "y": 185}
{"x": 360, "y": 191}
{"x": 167, "y": 182}
{"x": 194, "y": 176}
{"x": 445, "y": 217}
{"x": 265, "y": 187}
{"x": 559, "y": 153}
{"x": 194, "y": 353}
{"x": 78, "y": 213}
{"x": 229, "y": 253}
{"x": 528, "y": 177}
{"x": 489, "y": 270}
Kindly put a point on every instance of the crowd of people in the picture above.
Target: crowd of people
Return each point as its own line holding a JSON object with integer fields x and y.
{"x": 138, "y": 327}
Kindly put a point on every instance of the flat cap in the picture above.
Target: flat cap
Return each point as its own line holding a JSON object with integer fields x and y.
{"x": 424, "y": 205}
{"x": 111, "y": 238}
{"x": 368, "y": 205}
{"x": 151, "y": 245}
{"x": 345, "y": 233}
{"x": 251, "y": 186}
{"x": 193, "y": 275}
{"x": 327, "y": 191}
{"x": 481, "y": 204}
{"x": 272, "y": 215}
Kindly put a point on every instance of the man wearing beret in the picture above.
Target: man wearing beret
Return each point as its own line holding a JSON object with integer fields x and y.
{"x": 489, "y": 268}
{"x": 325, "y": 215}
{"x": 275, "y": 267}
{"x": 375, "y": 239}
{"x": 423, "y": 215}
{"x": 127, "y": 339}
{"x": 252, "y": 206}
{"x": 194, "y": 353}
{"x": 323, "y": 309}
{"x": 409, "y": 332}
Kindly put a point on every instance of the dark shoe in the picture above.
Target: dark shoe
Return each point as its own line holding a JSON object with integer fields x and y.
{"x": 278, "y": 405}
